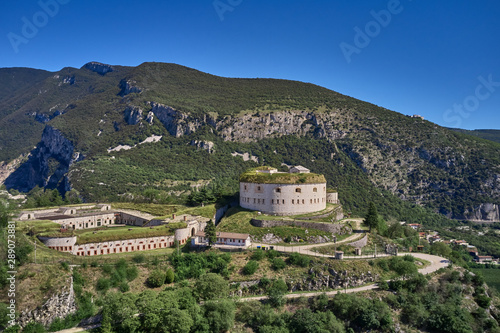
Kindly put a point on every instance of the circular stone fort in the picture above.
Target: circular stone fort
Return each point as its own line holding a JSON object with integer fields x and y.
{"x": 284, "y": 193}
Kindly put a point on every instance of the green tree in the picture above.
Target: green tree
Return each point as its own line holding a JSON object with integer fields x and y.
{"x": 220, "y": 315}
{"x": 169, "y": 276}
{"x": 371, "y": 219}
{"x": 211, "y": 233}
{"x": 211, "y": 286}
{"x": 276, "y": 292}
{"x": 176, "y": 321}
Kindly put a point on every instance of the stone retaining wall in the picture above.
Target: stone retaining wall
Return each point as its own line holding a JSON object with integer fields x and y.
{"x": 360, "y": 243}
{"x": 327, "y": 227}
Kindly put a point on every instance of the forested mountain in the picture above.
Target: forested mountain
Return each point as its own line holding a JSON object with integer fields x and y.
{"x": 213, "y": 128}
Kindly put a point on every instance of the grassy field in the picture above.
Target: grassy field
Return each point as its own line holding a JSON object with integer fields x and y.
{"x": 491, "y": 276}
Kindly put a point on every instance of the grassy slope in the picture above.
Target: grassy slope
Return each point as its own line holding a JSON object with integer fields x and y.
{"x": 491, "y": 276}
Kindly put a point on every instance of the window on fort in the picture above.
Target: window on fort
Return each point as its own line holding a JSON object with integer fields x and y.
{"x": 283, "y": 201}
{"x": 258, "y": 188}
{"x": 311, "y": 201}
{"x": 278, "y": 190}
{"x": 263, "y": 201}
{"x": 315, "y": 189}
{"x": 253, "y": 200}
{"x": 298, "y": 190}
{"x": 272, "y": 201}
{"x": 293, "y": 201}
{"x": 245, "y": 187}
{"x": 302, "y": 200}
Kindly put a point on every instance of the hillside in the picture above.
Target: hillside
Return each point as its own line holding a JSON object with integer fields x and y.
{"x": 207, "y": 123}
{"x": 492, "y": 135}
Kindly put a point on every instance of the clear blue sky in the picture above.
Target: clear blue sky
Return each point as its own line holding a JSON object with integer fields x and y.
{"x": 439, "y": 59}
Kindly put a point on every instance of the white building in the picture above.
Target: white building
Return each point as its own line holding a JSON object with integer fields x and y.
{"x": 284, "y": 193}
{"x": 223, "y": 238}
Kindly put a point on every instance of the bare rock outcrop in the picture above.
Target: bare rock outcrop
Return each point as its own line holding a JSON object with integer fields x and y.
{"x": 58, "y": 306}
{"x": 133, "y": 115}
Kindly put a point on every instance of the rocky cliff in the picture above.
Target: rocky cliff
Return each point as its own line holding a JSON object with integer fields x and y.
{"x": 58, "y": 306}
{"x": 47, "y": 165}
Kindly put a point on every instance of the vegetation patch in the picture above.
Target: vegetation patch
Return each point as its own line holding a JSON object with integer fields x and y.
{"x": 253, "y": 176}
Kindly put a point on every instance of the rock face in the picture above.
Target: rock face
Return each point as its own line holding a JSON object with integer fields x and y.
{"x": 318, "y": 279}
{"x": 58, "y": 306}
{"x": 129, "y": 87}
{"x": 179, "y": 123}
{"x": 206, "y": 145}
{"x": 133, "y": 115}
{"x": 47, "y": 165}
{"x": 484, "y": 212}
{"x": 99, "y": 68}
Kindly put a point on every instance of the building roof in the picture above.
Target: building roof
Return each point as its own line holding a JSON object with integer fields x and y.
{"x": 225, "y": 235}
{"x": 300, "y": 168}
{"x": 254, "y": 176}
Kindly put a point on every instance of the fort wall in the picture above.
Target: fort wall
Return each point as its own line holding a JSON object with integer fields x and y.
{"x": 283, "y": 199}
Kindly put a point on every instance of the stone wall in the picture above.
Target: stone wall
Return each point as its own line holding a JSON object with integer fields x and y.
{"x": 360, "y": 243}
{"x": 129, "y": 219}
{"x": 327, "y": 227}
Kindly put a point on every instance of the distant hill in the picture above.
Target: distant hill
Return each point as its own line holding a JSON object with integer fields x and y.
{"x": 487, "y": 134}
{"x": 78, "y": 118}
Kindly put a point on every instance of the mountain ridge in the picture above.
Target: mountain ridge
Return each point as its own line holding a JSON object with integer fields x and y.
{"x": 99, "y": 106}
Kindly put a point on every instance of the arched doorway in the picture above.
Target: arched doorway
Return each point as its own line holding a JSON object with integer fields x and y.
{"x": 192, "y": 232}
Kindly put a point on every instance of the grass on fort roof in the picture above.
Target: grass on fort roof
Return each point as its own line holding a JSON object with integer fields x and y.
{"x": 252, "y": 176}
{"x": 37, "y": 226}
{"x": 165, "y": 211}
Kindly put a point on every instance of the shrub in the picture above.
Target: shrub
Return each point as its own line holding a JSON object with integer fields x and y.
{"x": 103, "y": 284}
{"x": 278, "y": 264}
{"x": 156, "y": 279}
{"x": 78, "y": 278}
{"x": 299, "y": 259}
{"x": 107, "y": 269}
{"x": 169, "y": 276}
{"x": 258, "y": 255}
{"x": 131, "y": 272}
{"x": 139, "y": 258}
{"x": 93, "y": 264}
{"x": 271, "y": 254}
{"x": 124, "y": 287}
{"x": 65, "y": 265}
{"x": 250, "y": 267}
